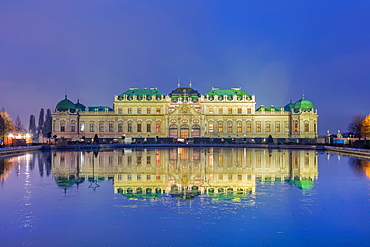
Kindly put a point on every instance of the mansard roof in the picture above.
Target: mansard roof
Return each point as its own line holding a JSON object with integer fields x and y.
{"x": 229, "y": 93}
{"x": 269, "y": 108}
{"x": 99, "y": 108}
{"x": 141, "y": 94}
{"x": 184, "y": 91}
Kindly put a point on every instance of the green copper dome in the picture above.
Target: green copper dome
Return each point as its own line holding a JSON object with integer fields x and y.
{"x": 65, "y": 105}
{"x": 303, "y": 104}
{"x": 289, "y": 106}
{"x": 80, "y": 106}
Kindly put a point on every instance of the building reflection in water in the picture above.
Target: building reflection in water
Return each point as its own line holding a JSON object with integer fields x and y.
{"x": 186, "y": 172}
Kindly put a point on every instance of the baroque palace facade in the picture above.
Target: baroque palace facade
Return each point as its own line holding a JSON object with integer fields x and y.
{"x": 182, "y": 114}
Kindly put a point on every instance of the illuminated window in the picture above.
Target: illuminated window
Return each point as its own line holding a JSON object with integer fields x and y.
{"x": 268, "y": 127}
{"x": 239, "y": 127}
{"x": 82, "y": 127}
{"x": 249, "y": 126}
{"x": 158, "y": 127}
{"x": 158, "y": 110}
{"x": 306, "y": 126}
{"x": 258, "y": 126}
{"x": 211, "y": 110}
{"x": 296, "y": 126}
{"x": 277, "y": 127}
{"x": 210, "y": 127}
{"x": 229, "y": 127}
{"x": 220, "y": 110}
{"x": 220, "y": 127}
{"x": 230, "y": 110}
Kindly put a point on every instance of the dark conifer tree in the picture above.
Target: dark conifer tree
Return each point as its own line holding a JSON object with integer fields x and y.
{"x": 41, "y": 121}
{"x": 32, "y": 126}
{"x": 46, "y": 130}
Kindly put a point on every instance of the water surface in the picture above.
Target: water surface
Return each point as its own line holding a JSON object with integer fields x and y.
{"x": 184, "y": 197}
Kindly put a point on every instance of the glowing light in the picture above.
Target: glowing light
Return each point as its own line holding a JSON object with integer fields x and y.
{"x": 11, "y": 136}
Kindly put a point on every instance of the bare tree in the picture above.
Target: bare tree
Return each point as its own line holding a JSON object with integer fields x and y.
{"x": 355, "y": 125}
{"x": 19, "y": 128}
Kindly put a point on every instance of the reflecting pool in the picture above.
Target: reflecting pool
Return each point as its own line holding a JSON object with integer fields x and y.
{"x": 184, "y": 197}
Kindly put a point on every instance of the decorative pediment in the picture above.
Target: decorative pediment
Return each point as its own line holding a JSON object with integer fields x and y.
{"x": 185, "y": 109}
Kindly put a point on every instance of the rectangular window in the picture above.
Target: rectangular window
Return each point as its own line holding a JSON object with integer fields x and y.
{"x": 210, "y": 127}
{"x": 249, "y": 110}
{"x": 129, "y": 177}
{"x": 148, "y": 127}
{"x": 148, "y": 110}
{"x": 62, "y": 127}
{"x": 138, "y": 110}
{"x": 129, "y": 110}
{"x": 139, "y": 127}
{"x": 239, "y": 127}
{"x": 82, "y": 127}
{"x": 314, "y": 127}
{"x": 129, "y": 127}
{"x": 230, "y": 110}
{"x": 119, "y": 160}
{"x": 148, "y": 160}
{"x": 306, "y": 127}
{"x": 249, "y": 127}
{"x": 138, "y": 177}
{"x": 119, "y": 110}
{"x": 148, "y": 177}
{"x": 239, "y": 110}
{"x": 258, "y": 127}
{"x": 296, "y": 126}
{"x": 101, "y": 127}
{"x": 73, "y": 129}
{"x": 158, "y": 110}
{"x": 110, "y": 127}
{"x": 158, "y": 127}
{"x": 220, "y": 127}
{"x": 129, "y": 160}
{"x": 229, "y": 127}
{"x": 277, "y": 127}
{"x": 91, "y": 127}
{"x": 268, "y": 127}
{"x": 138, "y": 160}
{"x": 120, "y": 127}
{"x": 211, "y": 110}
{"x": 220, "y": 110}
{"x": 286, "y": 124}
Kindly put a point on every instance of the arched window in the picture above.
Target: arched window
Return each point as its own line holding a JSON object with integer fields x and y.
{"x": 173, "y": 131}
{"x": 184, "y": 131}
{"x": 195, "y": 131}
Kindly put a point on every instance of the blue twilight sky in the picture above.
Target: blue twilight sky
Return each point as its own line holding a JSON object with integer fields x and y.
{"x": 276, "y": 50}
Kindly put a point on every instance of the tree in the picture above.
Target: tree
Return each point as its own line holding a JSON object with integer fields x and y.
{"x": 46, "y": 130}
{"x": 355, "y": 125}
{"x": 6, "y": 124}
{"x": 32, "y": 126}
{"x": 365, "y": 127}
{"x": 19, "y": 128}
{"x": 41, "y": 121}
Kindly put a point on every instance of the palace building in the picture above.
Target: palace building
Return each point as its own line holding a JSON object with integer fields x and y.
{"x": 184, "y": 113}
